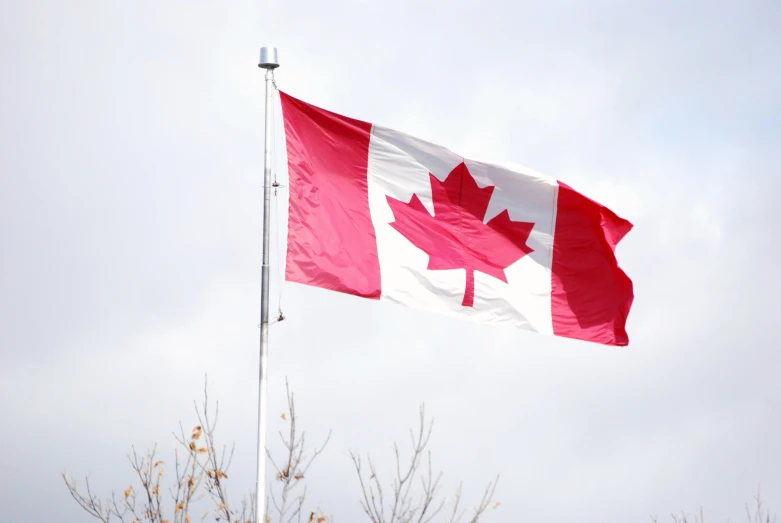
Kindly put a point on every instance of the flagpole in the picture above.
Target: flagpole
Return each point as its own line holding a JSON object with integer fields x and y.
{"x": 269, "y": 62}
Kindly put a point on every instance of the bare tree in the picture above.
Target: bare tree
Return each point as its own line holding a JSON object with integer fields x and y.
{"x": 293, "y": 470}
{"x": 402, "y": 504}
{"x": 200, "y": 480}
{"x": 200, "y": 473}
{"x": 760, "y": 514}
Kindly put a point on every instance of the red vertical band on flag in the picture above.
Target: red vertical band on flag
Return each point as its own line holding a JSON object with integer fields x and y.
{"x": 331, "y": 238}
{"x": 591, "y": 296}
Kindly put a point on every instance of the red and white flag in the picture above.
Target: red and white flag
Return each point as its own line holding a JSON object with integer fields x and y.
{"x": 380, "y": 214}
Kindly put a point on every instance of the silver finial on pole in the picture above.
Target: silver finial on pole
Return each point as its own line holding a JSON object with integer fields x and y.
{"x": 268, "y": 58}
{"x": 269, "y": 62}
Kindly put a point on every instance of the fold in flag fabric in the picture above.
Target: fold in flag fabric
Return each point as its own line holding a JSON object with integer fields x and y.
{"x": 380, "y": 214}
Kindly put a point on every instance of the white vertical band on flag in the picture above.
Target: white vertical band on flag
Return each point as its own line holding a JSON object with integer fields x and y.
{"x": 399, "y": 167}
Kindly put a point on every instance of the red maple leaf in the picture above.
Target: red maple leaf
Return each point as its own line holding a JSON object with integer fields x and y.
{"x": 457, "y": 237}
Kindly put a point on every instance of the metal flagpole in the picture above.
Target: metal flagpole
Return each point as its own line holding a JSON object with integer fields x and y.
{"x": 269, "y": 62}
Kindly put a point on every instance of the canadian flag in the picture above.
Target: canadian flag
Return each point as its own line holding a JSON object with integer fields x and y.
{"x": 380, "y": 214}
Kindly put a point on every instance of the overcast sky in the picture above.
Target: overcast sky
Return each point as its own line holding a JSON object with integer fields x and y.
{"x": 131, "y": 138}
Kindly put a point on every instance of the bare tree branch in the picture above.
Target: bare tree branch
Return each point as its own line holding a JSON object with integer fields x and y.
{"x": 201, "y": 460}
{"x": 406, "y": 505}
{"x": 298, "y": 460}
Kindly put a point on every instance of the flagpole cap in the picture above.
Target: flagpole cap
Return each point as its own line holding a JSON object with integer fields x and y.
{"x": 268, "y": 58}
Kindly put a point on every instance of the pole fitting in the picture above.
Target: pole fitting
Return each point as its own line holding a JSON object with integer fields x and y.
{"x": 268, "y": 58}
